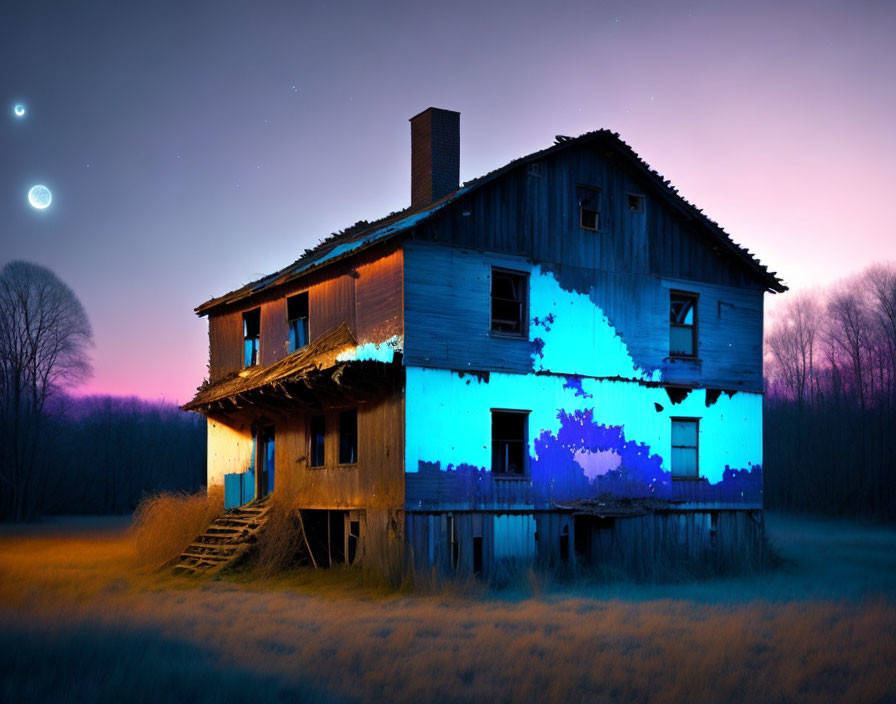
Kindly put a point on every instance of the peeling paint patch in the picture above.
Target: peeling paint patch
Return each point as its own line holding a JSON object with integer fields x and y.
{"x": 481, "y": 377}
{"x": 374, "y": 351}
{"x": 676, "y": 394}
{"x": 575, "y": 383}
{"x": 544, "y": 322}
{"x": 571, "y": 335}
{"x": 712, "y": 395}
{"x": 573, "y": 437}
{"x": 597, "y": 463}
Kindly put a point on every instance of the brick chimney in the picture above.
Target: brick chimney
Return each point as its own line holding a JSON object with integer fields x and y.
{"x": 435, "y": 156}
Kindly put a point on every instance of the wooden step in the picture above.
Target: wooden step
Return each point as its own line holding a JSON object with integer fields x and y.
{"x": 225, "y": 541}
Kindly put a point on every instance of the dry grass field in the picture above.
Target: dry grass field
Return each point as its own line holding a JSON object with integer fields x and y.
{"x": 83, "y": 619}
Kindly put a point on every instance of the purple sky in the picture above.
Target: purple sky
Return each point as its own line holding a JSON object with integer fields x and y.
{"x": 194, "y": 146}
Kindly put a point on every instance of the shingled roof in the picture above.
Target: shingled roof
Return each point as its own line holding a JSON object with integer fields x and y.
{"x": 364, "y": 234}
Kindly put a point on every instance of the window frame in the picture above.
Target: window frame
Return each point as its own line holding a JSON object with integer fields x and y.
{"x": 642, "y": 203}
{"x": 339, "y": 461}
{"x": 323, "y": 449}
{"x": 256, "y": 338}
{"x": 505, "y": 475}
{"x": 696, "y": 447}
{"x": 584, "y": 194}
{"x": 695, "y": 326}
{"x": 524, "y": 303}
{"x": 289, "y": 322}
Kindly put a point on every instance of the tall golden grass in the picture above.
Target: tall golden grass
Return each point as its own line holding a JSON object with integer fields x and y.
{"x": 281, "y": 544}
{"x": 165, "y": 523}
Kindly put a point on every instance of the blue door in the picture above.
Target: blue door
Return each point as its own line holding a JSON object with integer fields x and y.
{"x": 266, "y": 462}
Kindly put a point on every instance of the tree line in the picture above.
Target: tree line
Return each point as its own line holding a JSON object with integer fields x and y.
{"x": 830, "y": 406}
{"x": 60, "y": 454}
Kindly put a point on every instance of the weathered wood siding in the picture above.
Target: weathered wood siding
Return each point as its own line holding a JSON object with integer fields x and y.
{"x": 366, "y": 295}
{"x": 447, "y": 318}
{"x": 274, "y": 334}
{"x": 229, "y": 449}
{"x": 375, "y": 481}
{"x": 538, "y": 217}
{"x": 225, "y": 342}
{"x": 379, "y": 298}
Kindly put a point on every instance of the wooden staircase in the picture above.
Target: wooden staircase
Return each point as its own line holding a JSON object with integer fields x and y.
{"x": 225, "y": 541}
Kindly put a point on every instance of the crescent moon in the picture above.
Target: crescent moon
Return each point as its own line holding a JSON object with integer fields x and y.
{"x": 19, "y": 110}
{"x": 40, "y": 197}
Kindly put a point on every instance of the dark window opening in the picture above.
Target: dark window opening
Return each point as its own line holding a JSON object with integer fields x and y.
{"x": 509, "y": 442}
{"x": 317, "y": 433}
{"x": 354, "y": 535}
{"x": 251, "y": 337}
{"x": 509, "y": 293}
{"x": 348, "y": 437}
{"x": 635, "y": 203}
{"x": 589, "y": 208}
{"x": 297, "y": 320}
{"x": 564, "y": 544}
{"x": 477, "y": 554}
{"x": 685, "y": 448}
{"x": 682, "y": 324}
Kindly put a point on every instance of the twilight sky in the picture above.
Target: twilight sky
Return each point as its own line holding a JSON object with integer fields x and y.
{"x": 194, "y": 146}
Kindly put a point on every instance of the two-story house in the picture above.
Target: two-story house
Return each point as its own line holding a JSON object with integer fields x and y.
{"x": 558, "y": 361}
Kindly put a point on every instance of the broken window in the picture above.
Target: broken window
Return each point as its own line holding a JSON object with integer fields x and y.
{"x": 682, "y": 324}
{"x": 251, "y": 336}
{"x": 348, "y": 437}
{"x": 317, "y": 428}
{"x": 589, "y": 208}
{"x": 509, "y": 294}
{"x": 297, "y": 320}
{"x": 635, "y": 202}
{"x": 509, "y": 442}
{"x": 684, "y": 448}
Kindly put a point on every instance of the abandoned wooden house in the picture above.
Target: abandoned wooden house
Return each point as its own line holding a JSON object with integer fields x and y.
{"x": 558, "y": 361}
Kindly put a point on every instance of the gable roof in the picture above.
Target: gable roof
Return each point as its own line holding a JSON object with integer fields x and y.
{"x": 364, "y": 234}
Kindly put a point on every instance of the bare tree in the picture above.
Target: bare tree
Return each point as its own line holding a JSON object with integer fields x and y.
{"x": 44, "y": 339}
{"x": 792, "y": 343}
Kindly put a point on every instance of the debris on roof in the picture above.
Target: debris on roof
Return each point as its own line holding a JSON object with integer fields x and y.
{"x": 363, "y": 233}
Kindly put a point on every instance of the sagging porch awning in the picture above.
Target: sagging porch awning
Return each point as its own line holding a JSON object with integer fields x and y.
{"x": 311, "y": 378}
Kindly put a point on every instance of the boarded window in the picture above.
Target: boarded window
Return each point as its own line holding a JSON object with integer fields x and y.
{"x": 251, "y": 336}
{"x": 682, "y": 324}
{"x": 317, "y": 430}
{"x": 509, "y": 442}
{"x": 589, "y": 208}
{"x": 684, "y": 448}
{"x": 297, "y": 320}
{"x": 509, "y": 309}
{"x": 348, "y": 437}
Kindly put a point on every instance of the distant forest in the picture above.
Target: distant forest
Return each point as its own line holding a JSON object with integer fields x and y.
{"x": 830, "y": 407}
{"x": 102, "y": 454}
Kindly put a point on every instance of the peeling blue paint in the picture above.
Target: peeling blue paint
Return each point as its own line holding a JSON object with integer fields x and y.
{"x": 586, "y": 437}
{"x": 575, "y": 383}
{"x": 374, "y": 351}
{"x": 572, "y": 335}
